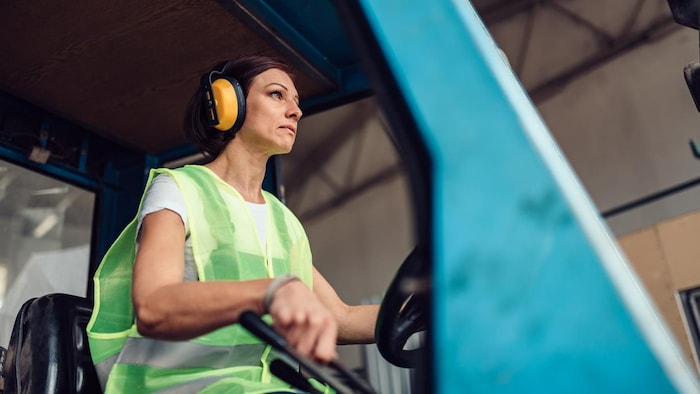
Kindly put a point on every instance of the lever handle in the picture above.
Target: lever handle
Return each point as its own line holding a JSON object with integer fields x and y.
{"x": 253, "y": 323}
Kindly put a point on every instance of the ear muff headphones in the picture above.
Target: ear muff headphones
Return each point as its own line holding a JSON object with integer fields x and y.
{"x": 224, "y": 101}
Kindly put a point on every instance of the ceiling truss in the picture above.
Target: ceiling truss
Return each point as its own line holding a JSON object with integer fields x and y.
{"x": 528, "y": 11}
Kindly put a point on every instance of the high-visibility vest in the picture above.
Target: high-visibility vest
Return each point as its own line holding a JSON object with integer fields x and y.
{"x": 225, "y": 247}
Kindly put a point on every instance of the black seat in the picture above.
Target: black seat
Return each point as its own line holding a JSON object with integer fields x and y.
{"x": 48, "y": 350}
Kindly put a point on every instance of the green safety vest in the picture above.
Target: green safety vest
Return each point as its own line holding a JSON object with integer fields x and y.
{"x": 225, "y": 247}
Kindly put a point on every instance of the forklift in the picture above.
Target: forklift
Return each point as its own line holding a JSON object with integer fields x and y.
{"x": 101, "y": 80}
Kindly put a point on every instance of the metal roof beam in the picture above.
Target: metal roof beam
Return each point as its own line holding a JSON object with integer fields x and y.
{"x": 658, "y": 29}
{"x": 275, "y": 29}
{"x": 506, "y": 9}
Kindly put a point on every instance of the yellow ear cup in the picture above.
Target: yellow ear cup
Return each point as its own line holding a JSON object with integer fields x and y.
{"x": 226, "y": 103}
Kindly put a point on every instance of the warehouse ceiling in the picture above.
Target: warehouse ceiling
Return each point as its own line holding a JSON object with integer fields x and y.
{"x": 126, "y": 70}
{"x": 549, "y": 43}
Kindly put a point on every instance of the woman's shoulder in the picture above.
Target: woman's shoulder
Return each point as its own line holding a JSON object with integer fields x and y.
{"x": 177, "y": 175}
{"x": 163, "y": 187}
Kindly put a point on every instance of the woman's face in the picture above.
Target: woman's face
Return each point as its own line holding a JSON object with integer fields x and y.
{"x": 272, "y": 113}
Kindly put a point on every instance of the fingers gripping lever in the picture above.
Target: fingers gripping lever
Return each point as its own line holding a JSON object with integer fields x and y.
{"x": 253, "y": 323}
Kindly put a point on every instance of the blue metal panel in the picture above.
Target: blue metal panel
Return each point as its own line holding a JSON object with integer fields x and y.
{"x": 530, "y": 291}
{"x": 271, "y": 25}
{"x": 353, "y": 85}
{"x": 56, "y": 170}
{"x": 177, "y": 152}
{"x": 321, "y": 46}
{"x": 119, "y": 199}
{"x": 323, "y": 42}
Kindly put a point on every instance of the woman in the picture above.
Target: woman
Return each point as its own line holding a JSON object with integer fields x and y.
{"x": 210, "y": 244}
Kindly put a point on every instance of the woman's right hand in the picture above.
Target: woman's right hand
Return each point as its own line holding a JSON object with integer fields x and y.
{"x": 307, "y": 325}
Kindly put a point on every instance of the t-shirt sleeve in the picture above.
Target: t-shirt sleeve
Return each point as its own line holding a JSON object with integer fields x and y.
{"x": 162, "y": 193}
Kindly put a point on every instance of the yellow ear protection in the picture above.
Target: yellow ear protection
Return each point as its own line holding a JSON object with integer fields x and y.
{"x": 224, "y": 101}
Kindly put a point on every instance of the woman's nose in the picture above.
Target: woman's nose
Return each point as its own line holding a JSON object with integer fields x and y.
{"x": 294, "y": 111}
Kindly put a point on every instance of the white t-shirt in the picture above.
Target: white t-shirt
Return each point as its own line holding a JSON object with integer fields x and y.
{"x": 163, "y": 193}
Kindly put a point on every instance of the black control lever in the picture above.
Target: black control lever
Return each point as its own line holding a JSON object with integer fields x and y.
{"x": 285, "y": 372}
{"x": 253, "y": 323}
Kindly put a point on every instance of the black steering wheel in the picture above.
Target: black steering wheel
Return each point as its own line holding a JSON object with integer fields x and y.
{"x": 404, "y": 311}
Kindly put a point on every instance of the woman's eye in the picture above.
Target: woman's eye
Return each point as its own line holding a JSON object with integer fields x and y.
{"x": 276, "y": 94}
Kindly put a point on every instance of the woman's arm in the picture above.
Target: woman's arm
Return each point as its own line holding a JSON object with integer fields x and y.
{"x": 355, "y": 323}
{"x": 168, "y": 308}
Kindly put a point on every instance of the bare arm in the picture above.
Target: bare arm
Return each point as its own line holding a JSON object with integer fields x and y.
{"x": 355, "y": 323}
{"x": 169, "y": 308}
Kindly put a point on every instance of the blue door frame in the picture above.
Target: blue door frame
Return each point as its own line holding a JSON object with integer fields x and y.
{"x": 530, "y": 291}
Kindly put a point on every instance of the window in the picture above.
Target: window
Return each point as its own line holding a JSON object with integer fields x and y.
{"x": 45, "y": 232}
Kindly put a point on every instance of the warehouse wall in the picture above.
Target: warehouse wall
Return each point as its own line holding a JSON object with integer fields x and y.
{"x": 624, "y": 127}
{"x": 665, "y": 256}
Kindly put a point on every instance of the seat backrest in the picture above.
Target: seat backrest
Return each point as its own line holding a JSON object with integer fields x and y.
{"x": 48, "y": 351}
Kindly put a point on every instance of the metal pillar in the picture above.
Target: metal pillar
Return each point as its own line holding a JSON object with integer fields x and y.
{"x": 530, "y": 291}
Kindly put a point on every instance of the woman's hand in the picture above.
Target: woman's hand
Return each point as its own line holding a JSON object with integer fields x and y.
{"x": 307, "y": 325}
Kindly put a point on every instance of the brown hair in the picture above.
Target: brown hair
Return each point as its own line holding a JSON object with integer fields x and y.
{"x": 209, "y": 140}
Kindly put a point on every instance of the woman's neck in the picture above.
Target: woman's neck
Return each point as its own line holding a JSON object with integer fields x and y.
{"x": 243, "y": 171}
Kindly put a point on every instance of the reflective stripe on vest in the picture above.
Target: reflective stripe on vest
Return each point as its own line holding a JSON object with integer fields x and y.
{"x": 191, "y": 387}
{"x": 185, "y": 355}
{"x": 178, "y": 355}
{"x": 210, "y": 383}
{"x": 220, "y": 226}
